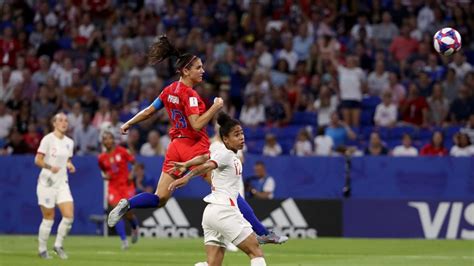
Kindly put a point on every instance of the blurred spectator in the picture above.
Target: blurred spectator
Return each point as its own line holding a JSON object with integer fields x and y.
{"x": 351, "y": 82}
{"x": 339, "y": 131}
{"x": 397, "y": 89}
{"x": 271, "y": 147}
{"x": 10, "y": 47}
{"x": 103, "y": 114}
{"x": 113, "y": 126}
{"x": 462, "y": 106}
{"x": 362, "y": 23}
{"x": 451, "y": 85}
{"x": 153, "y": 146}
{"x": 15, "y": 144}
{"x": 406, "y": 149}
{"x": 278, "y": 114}
{"x": 260, "y": 185}
{"x": 403, "y": 45}
{"x": 424, "y": 84}
{"x": 425, "y": 16}
{"x": 146, "y": 73}
{"x": 325, "y": 105}
{"x": 469, "y": 128}
{"x": 288, "y": 54}
{"x": 433, "y": 69}
{"x": 6, "y": 122}
{"x": 42, "y": 108}
{"x": 228, "y": 107}
{"x": 375, "y": 147}
{"x": 435, "y": 147}
{"x": 386, "y": 111}
{"x": 323, "y": 144}
{"x": 32, "y": 138}
{"x": 253, "y": 112}
{"x": 113, "y": 91}
{"x": 460, "y": 66}
{"x": 75, "y": 117}
{"x": 385, "y": 31}
{"x": 132, "y": 92}
{"x": 302, "y": 146}
{"x": 86, "y": 137}
{"x": 142, "y": 182}
{"x": 414, "y": 109}
{"x": 439, "y": 106}
{"x": 6, "y": 84}
{"x": 378, "y": 80}
{"x": 462, "y": 146}
{"x": 302, "y": 42}
{"x": 133, "y": 141}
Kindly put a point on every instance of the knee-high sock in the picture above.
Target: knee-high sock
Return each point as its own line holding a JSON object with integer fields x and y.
{"x": 63, "y": 229}
{"x": 133, "y": 222}
{"x": 120, "y": 229}
{"x": 43, "y": 234}
{"x": 249, "y": 215}
{"x": 144, "y": 200}
{"x": 258, "y": 261}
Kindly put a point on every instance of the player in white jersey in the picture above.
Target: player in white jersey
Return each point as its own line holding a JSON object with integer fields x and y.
{"x": 54, "y": 158}
{"x": 222, "y": 220}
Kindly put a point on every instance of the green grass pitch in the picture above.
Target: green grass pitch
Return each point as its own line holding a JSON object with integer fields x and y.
{"x": 92, "y": 251}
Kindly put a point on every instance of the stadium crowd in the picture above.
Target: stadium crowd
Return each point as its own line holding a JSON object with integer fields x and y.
{"x": 363, "y": 72}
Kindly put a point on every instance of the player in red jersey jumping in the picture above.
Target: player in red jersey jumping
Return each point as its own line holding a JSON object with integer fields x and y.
{"x": 113, "y": 163}
{"x": 188, "y": 117}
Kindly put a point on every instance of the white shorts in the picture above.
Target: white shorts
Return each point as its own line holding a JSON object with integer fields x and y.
{"x": 50, "y": 196}
{"x": 223, "y": 224}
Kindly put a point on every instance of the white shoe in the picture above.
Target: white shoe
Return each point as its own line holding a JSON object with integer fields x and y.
{"x": 116, "y": 214}
{"x": 201, "y": 264}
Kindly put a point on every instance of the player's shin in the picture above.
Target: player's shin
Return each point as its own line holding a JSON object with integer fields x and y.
{"x": 144, "y": 200}
{"x": 43, "y": 234}
{"x": 63, "y": 229}
{"x": 249, "y": 215}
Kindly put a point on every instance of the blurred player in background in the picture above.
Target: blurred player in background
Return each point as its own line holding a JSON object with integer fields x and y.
{"x": 54, "y": 158}
{"x": 113, "y": 163}
{"x": 222, "y": 220}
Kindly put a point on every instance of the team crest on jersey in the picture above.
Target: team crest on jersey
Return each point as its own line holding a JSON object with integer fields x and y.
{"x": 173, "y": 99}
{"x": 118, "y": 158}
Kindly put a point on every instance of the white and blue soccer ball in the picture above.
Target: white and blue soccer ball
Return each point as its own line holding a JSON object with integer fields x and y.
{"x": 447, "y": 41}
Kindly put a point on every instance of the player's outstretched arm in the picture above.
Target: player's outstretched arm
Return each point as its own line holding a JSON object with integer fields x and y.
{"x": 201, "y": 169}
{"x": 183, "y": 167}
{"x": 140, "y": 116}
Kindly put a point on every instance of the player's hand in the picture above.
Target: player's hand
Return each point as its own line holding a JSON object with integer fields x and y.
{"x": 177, "y": 168}
{"x": 178, "y": 183}
{"x": 124, "y": 129}
{"x": 218, "y": 102}
{"x": 54, "y": 169}
{"x": 71, "y": 168}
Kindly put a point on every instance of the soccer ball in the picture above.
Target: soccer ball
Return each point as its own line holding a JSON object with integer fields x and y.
{"x": 447, "y": 41}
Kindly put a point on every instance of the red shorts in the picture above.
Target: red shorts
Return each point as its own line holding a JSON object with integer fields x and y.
{"x": 184, "y": 149}
{"x": 118, "y": 193}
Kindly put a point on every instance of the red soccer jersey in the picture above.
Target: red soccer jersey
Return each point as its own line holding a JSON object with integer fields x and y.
{"x": 115, "y": 164}
{"x": 180, "y": 102}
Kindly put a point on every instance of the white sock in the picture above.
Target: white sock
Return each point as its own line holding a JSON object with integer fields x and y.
{"x": 43, "y": 234}
{"x": 63, "y": 230}
{"x": 259, "y": 261}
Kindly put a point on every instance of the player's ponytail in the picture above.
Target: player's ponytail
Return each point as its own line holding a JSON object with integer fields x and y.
{"x": 162, "y": 49}
{"x": 226, "y": 124}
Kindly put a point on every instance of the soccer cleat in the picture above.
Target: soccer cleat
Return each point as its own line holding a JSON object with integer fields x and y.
{"x": 116, "y": 214}
{"x": 201, "y": 264}
{"x": 60, "y": 252}
{"x": 134, "y": 235}
{"x": 45, "y": 255}
{"x": 271, "y": 238}
{"x": 125, "y": 245}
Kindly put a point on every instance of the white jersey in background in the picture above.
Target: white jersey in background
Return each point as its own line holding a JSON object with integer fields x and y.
{"x": 216, "y": 145}
{"x": 226, "y": 178}
{"x": 56, "y": 153}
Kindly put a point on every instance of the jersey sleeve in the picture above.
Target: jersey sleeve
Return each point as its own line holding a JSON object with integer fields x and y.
{"x": 71, "y": 149}
{"x": 128, "y": 156}
{"x": 101, "y": 163}
{"x": 191, "y": 103}
{"x": 44, "y": 146}
{"x": 221, "y": 158}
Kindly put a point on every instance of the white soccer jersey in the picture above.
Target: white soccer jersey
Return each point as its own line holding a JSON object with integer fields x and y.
{"x": 216, "y": 145}
{"x": 226, "y": 177}
{"x": 56, "y": 153}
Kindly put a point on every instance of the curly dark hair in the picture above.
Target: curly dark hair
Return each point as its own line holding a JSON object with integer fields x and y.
{"x": 162, "y": 49}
